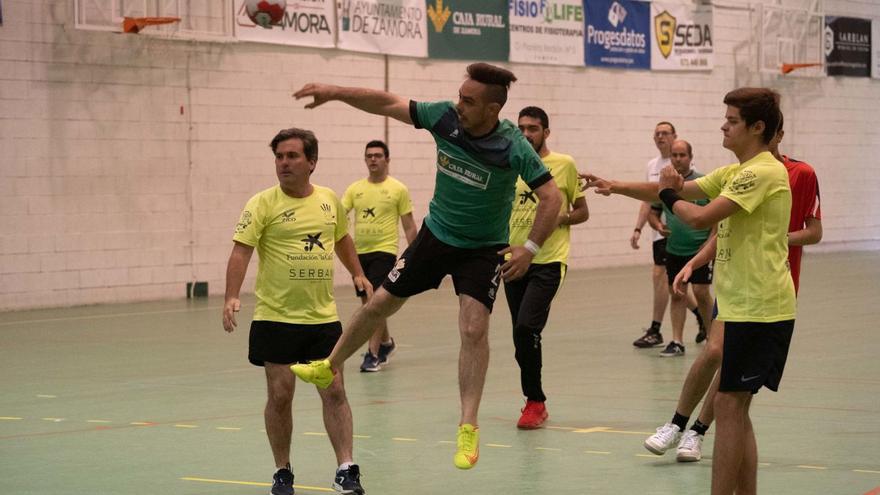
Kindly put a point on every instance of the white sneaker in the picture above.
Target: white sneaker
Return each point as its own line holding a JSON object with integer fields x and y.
{"x": 690, "y": 449}
{"x": 667, "y": 436}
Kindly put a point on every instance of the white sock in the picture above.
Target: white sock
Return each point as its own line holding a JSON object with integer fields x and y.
{"x": 345, "y": 465}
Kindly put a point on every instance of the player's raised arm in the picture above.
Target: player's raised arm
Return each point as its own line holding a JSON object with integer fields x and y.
{"x": 369, "y": 100}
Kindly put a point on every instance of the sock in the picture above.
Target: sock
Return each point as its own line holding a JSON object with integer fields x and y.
{"x": 655, "y": 326}
{"x": 389, "y": 343}
{"x": 696, "y": 313}
{"x": 345, "y": 465}
{"x": 680, "y": 421}
{"x": 699, "y": 427}
{"x": 286, "y": 466}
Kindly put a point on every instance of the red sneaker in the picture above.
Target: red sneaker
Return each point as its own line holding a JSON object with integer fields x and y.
{"x": 533, "y": 416}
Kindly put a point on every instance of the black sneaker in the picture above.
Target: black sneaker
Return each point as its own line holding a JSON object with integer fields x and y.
{"x": 385, "y": 351}
{"x": 701, "y": 325}
{"x": 371, "y": 362}
{"x": 349, "y": 480}
{"x": 652, "y": 338}
{"x": 282, "y": 482}
{"x": 672, "y": 350}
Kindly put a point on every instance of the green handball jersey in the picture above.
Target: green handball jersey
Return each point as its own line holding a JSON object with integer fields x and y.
{"x": 377, "y": 211}
{"x": 752, "y": 278}
{"x": 684, "y": 240}
{"x": 475, "y": 177}
{"x": 525, "y": 205}
{"x": 295, "y": 240}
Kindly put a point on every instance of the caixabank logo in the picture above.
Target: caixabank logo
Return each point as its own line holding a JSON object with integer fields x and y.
{"x": 301, "y": 17}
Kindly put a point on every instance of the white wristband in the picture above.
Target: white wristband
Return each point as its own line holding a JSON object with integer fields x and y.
{"x": 532, "y": 247}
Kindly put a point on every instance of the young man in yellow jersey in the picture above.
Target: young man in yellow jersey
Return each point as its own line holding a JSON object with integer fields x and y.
{"x": 378, "y": 201}
{"x": 529, "y": 297}
{"x": 751, "y": 202}
{"x": 296, "y": 228}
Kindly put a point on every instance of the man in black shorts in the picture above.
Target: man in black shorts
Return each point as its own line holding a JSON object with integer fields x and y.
{"x": 378, "y": 202}
{"x": 296, "y": 227}
{"x": 466, "y": 231}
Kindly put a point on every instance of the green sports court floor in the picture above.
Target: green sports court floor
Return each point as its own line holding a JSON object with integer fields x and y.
{"x": 155, "y": 398}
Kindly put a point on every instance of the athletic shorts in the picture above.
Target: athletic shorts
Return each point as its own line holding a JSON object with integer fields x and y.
{"x": 754, "y": 355}
{"x": 659, "y": 248}
{"x": 674, "y": 264}
{"x": 288, "y": 343}
{"x": 376, "y": 267}
{"x": 424, "y": 264}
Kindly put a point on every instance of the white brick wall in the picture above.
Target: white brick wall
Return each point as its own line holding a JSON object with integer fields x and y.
{"x": 108, "y": 193}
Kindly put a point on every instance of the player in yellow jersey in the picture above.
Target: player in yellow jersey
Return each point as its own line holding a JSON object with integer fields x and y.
{"x": 378, "y": 201}
{"x": 529, "y": 297}
{"x": 296, "y": 227}
{"x": 751, "y": 202}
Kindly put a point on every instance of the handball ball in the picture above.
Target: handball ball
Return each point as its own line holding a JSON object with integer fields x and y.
{"x": 265, "y": 13}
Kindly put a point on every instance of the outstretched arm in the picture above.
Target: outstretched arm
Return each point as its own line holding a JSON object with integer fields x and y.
{"x": 369, "y": 100}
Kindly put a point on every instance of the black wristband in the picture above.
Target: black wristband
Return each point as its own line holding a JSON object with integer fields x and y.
{"x": 669, "y": 197}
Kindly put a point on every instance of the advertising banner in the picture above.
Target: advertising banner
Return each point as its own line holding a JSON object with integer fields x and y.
{"x": 308, "y": 23}
{"x": 547, "y": 32}
{"x": 393, "y": 27}
{"x": 847, "y": 46}
{"x": 468, "y": 30}
{"x": 682, "y": 37}
{"x": 618, "y": 34}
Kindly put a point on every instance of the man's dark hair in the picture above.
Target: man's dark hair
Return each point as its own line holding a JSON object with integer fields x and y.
{"x": 666, "y": 123}
{"x": 497, "y": 79}
{"x": 378, "y": 144}
{"x": 536, "y": 113}
{"x": 780, "y": 129}
{"x": 309, "y": 141}
{"x": 757, "y": 104}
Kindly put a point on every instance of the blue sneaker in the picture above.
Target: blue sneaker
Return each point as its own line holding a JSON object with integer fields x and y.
{"x": 385, "y": 351}
{"x": 370, "y": 364}
{"x": 282, "y": 482}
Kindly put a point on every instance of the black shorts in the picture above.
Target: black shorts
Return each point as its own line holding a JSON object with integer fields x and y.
{"x": 674, "y": 264}
{"x": 288, "y": 343}
{"x": 424, "y": 264}
{"x": 376, "y": 267}
{"x": 659, "y": 248}
{"x": 754, "y": 355}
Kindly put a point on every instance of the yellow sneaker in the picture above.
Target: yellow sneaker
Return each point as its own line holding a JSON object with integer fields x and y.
{"x": 468, "y": 447}
{"x": 317, "y": 372}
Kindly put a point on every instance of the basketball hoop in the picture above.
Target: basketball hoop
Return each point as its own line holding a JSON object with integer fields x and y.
{"x": 135, "y": 24}
{"x": 786, "y": 68}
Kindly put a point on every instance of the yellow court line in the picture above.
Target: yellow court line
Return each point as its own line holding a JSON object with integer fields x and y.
{"x": 254, "y": 483}
{"x": 601, "y": 452}
{"x": 764, "y": 464}
{"x": 591, "y": 430}
{"x": 314, "y": 434}
{"x": 446, "y": 441}
{"x": 109, "y": 315}
{"x": 498, "y": 445}
{"x": 186, "y": 426}
{"x": 10, "y": 418}
{"x": 141, "y": 423}
{"x": 45, "y": 396}
{"x": 404, "y": 439}
{"x": 805, "y": 466}
{"x": 361, "y": 436}
{"x": 57, "y": 420}
{"x": 648, "y": 456}
{"x": 865, "y": 471}
{"x": 228, "y": 428}
{"x": 566, "y": 428}
{"x": 548, "y": 448}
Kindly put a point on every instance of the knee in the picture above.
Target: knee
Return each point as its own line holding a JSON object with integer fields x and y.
{"x": 334, "y": 396}
{"x": 526, "y": 336}
{"x": 474, "y": 335}
{"x": 279, "y": 398}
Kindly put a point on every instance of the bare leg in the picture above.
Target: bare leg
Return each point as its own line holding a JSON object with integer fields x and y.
{"x": 692, "y": 302}
{"x": 473, "y": 358}
{"x": 277, "y": 415}
{"x": 700, "y": 375}
{"x": 337, "y": 418}
{"x": 379, "y": 335}
{"x": 747, "y": 484}
{"x": 677, "y": 311}
{"x": 704, "y": 301}
{"x": 730, "y": 440}
{"x": 661, "y": 292}
{"x": 707, "y": 412}
{"x": 363, "y": 324}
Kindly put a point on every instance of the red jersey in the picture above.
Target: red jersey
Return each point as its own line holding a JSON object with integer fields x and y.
{"x": 804, "y": 204}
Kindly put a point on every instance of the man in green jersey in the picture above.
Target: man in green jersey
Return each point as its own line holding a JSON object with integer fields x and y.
{"x": 296, "y": 228}
{"x": 751, "y": 203}
{"x": 466, "y": 231}
{"x": 378, "y": 201}
{"x": 682, "y": 243}
{"x": 529, "y": 297}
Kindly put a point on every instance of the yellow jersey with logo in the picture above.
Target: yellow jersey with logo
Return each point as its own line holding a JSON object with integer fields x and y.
{"x": 295, "y": 240}
{"x": 752, "y": 278}
{"x": 525, "y": 204}
{"x": 377, "y": 210}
